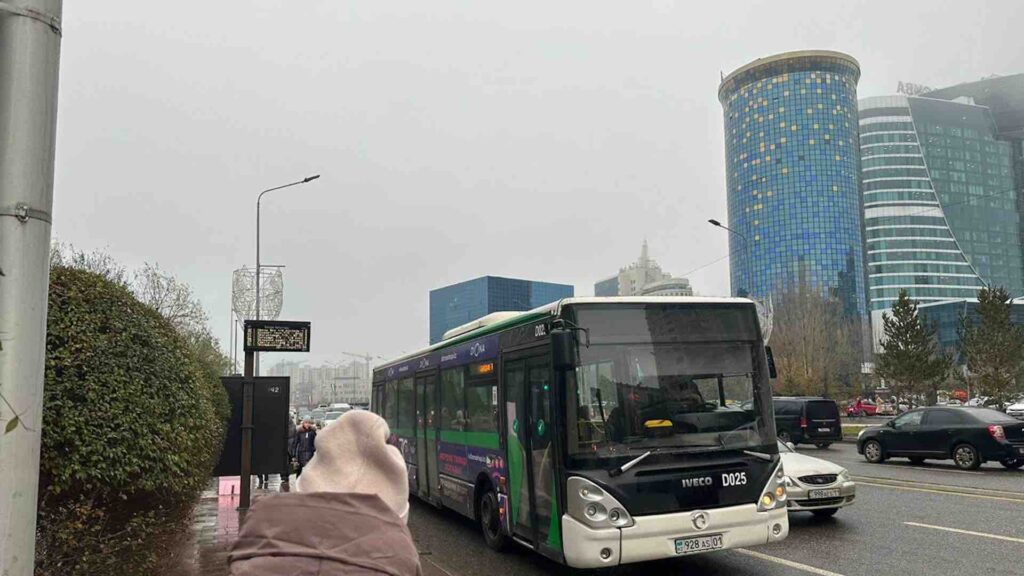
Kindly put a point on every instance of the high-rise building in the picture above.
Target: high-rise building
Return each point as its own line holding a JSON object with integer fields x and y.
{"x": 643, "y": 278}
{"x": 313, "y": 385}
{"x": 940, "y": 202}
{"x": 460, "y": 303}
{"x": 792, "y": 176}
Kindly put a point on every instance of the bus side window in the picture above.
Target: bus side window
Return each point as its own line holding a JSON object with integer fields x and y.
{"x": 406, "y": 408}
{"x": 453, "y": 399}
{"x": 391, "y": 403}
{"x": 482, "y": 415}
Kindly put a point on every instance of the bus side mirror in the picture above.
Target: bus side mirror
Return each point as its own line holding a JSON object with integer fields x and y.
{"x": 563, "y": 349}
{"x": 772, "y": 373}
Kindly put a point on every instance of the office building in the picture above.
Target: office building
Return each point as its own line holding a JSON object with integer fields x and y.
{"x": 460, "y": 303}
{"x": 941, "y": 205}
{"x": 792, "y": 149}
{"x": 945, "y": 317}
{"x": 643, "y": 278}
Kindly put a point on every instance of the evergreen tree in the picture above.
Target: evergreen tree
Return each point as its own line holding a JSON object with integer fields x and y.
{"x": 993, "y": 346}
{"x": 910, "y": 361}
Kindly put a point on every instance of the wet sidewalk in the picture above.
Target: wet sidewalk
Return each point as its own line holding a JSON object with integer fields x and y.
{"x": 215, "y": 526}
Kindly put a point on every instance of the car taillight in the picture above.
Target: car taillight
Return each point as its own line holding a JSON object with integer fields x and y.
{"x": 803, "y": 422}
{"x": 997, "y": 432}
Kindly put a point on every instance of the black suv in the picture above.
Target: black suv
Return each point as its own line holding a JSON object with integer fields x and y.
{"x": 968, "y": 436}
{"x": 807, "y": 420}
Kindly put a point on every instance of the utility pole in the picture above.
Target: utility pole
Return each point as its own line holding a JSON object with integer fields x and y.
{"x": 30, "y": 37}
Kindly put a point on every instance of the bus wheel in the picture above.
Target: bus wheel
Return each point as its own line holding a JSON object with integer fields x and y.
{"x": 490, "y": 521}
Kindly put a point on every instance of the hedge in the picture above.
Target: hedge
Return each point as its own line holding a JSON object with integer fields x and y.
{"x": 132, "y": 425}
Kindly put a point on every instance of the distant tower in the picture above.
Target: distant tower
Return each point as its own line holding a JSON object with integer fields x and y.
{"x": 792, "y": 152}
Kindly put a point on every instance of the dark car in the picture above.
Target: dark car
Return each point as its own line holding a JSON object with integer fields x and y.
{"x": 807, "y": 420}
{"x": 968, "y": 436}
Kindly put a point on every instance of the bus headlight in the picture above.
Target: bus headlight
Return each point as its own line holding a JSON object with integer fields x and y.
{"x": 590, "y": 504}
{"x": 774, "y": 494}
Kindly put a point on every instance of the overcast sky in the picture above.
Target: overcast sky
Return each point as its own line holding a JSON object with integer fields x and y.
{"x": 539, "y": 140}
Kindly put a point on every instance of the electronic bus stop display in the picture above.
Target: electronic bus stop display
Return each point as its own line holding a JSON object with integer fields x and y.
{"x": 276, "y": 336}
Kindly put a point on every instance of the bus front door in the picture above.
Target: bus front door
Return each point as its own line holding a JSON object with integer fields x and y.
{"x": 426, "y": 436}
{"x": 528, "y": 406}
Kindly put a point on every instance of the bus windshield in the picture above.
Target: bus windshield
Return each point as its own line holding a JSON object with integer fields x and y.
{"x": 667, "y": 387}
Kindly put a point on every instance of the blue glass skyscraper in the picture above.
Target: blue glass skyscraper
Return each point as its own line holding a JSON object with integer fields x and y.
{"x": 792, "y": 161}
{"x": 464, "y": 302}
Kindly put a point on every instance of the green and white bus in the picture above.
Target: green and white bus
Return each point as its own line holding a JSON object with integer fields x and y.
{"x": 596, "y": 431}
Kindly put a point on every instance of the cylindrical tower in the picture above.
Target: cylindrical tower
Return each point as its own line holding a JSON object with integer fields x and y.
{"x": 792, "y": 161}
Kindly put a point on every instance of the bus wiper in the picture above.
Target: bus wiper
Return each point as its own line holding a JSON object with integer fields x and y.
{"x": 617, "y": 471}
{"x": 760, "y": 455}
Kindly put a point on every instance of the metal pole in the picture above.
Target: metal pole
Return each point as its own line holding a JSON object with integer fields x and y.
{"x": 746, "y": 254}
{"x": 246, "y": 471}
{"x": 30, "y": 38}
{"x": 258, "y": 200}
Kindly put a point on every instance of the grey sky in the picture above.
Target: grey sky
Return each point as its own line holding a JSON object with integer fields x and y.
{"x": 541, "y": 140}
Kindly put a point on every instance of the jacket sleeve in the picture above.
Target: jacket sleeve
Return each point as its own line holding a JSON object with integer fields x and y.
{"x": 293, "y": 443}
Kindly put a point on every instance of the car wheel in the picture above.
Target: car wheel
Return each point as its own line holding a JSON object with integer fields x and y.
{"x": 784, "y": 436}
{"x": 873, "y": 452}
{"x": 1012, "y": 463}
{"x": 825, "y": 512}
{"x": 966, "y": 457}
{"x": 916, "y": 460}
{"x": 862, "y": 414}
{"x": 823, "y": 445}
{"x": 490, "y": 521}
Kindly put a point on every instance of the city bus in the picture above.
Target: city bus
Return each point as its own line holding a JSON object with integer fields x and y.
{"x": 596, "y": 431}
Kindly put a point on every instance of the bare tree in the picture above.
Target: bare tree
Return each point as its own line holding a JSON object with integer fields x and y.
{"x": 171, "y": 298}
{"x": 816, "y": 346}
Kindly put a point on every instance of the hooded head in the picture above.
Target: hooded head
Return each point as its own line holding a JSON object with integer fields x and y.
{"x": 353, "y": 456}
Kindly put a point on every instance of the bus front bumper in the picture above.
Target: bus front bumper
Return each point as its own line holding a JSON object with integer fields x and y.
{"x": 654, "y": 537}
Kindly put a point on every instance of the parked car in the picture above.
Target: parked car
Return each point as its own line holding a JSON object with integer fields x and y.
{"x": 807, "y": 420}
{"x": 1016, "y": 410}
{"x": 968, "y": 436}
{"x": 815, "y": 485}
{"x": 862, "y": 408}
{"x": 331, "y": 417}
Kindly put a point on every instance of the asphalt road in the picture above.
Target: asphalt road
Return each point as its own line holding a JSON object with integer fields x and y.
{"x": 908, "y": 520}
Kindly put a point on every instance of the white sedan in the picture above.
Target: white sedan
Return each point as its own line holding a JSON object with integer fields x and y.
{"x": 815, "y": 485}
{"x": 1016, "y": 410}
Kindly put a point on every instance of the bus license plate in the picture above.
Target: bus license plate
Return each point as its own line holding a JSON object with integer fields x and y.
{"x": 830, "y": 493}
{"x": 699, "y": 544}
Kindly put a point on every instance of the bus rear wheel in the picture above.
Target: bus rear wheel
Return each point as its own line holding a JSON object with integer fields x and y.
{"x": 490, "y": 521}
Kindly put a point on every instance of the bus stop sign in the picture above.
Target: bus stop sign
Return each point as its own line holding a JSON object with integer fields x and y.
{"x": 276, "y": 336}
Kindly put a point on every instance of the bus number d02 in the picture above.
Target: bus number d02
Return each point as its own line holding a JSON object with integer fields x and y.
{"x": 734, "y": 479}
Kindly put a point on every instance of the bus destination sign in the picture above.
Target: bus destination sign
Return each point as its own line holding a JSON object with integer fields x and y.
{"x": 276, "y": 336}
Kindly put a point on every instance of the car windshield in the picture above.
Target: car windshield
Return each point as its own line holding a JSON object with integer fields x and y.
{"x": 333, "y": 415}
{"x": 646, "y": 381}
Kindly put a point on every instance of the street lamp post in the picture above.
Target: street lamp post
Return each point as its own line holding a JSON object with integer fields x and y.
{"x": 258, "y": 200}
{"x": 746, "y": 252}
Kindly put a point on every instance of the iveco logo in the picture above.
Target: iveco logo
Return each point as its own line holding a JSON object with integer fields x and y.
{"x": 700, "y": 520}
{"x": 696, "y": 482}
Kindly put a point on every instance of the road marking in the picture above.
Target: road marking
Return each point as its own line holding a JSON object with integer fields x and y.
{"x": 938, "y": 469}
{"x": 944, "y": 492}
{"x": 788, "y": 563}
{"x": 968, "y": 532}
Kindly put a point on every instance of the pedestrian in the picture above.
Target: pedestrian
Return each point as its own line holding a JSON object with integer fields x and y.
{"x": 303, "y": 445}
{"x": 347, "y": 516}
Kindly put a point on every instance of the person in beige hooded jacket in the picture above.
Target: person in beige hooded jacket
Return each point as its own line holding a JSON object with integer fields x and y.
{"x": 347, "y": 517}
